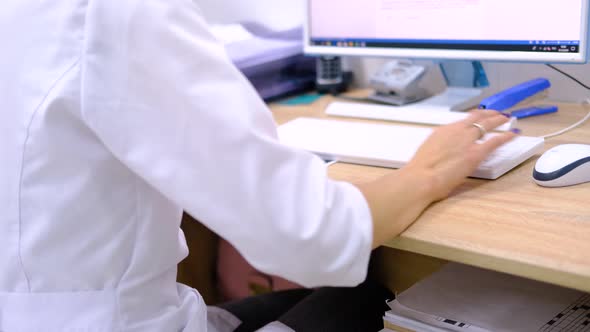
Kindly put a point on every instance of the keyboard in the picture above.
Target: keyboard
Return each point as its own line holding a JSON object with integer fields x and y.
{"x": 388, "y": 145}
{"x": 410, "y": 114}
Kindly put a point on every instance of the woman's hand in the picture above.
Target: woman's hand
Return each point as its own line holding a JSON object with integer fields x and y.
{"x": 443, "y": 162}
{"x": 453, "y": 152}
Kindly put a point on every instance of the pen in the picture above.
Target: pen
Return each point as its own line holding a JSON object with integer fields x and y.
{"x": 533, "y": 110}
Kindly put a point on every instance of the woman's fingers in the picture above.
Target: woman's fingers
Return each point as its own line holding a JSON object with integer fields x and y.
{"x": 478, "y": 115}
{"x": 483, "y": 121}
{"x": 491, "y": 144}
{"x": 489, "y": 120}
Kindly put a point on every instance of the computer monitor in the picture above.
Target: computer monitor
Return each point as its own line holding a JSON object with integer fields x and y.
{"x": 505, "y": 30}
{"x": 541, "y": 31}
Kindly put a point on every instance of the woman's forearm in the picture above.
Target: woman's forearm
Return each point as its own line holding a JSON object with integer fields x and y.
{"x": 442, "y": 163}
{"x": 396, "y": 200}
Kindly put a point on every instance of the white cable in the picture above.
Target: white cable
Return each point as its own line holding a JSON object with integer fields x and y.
{"x": 577, "y": 124}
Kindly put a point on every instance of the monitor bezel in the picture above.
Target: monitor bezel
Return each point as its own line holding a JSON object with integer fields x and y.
{"x": 446, "y": 54}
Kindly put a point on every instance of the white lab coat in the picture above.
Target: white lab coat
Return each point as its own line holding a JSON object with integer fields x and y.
{"x": 114, "y": 117}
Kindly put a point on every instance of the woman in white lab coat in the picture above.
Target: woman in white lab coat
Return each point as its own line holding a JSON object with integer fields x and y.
{"x": 118, "y": 115}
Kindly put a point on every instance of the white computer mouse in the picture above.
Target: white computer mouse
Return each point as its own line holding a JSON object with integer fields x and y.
{"x": 563, "y": 165}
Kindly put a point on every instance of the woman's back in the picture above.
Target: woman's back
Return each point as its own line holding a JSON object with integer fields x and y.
{"x": 118, "y": 115}
{"x": 87, "y": 245}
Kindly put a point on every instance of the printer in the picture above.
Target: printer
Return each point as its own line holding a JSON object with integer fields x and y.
{"x": 273, "y": 61}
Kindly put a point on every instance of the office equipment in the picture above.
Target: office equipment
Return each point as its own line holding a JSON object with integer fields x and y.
{"x": 330, "y": 77}
{"x": 563, "y": 165}
{"x": 410, "y": 113}
{"x": 465, "y": 298}
{"x": 389, "y": 145}
{"x": 528, "y": 31}
{"x": 397, "y": 83}
{"x": 509, "y": 97}
{"x": 329, "y": 70}
{"x": 273, "y": 61}
{"x": 534, "y": 111}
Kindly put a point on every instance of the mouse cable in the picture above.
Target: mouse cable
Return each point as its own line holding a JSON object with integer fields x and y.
{"x": 585, "y": 102}
{"x": 577, "y": 124}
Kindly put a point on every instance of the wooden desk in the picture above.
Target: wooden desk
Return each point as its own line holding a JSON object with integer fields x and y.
{"x": 509, "y": 224}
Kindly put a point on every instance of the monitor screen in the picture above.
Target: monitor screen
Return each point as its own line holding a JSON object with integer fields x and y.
{"x": 503, "y": 30}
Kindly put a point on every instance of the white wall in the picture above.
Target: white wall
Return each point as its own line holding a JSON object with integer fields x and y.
{"x": 563, "y": 89}
{"x": 283, "y": 14}
{"x": 501, "y": 76}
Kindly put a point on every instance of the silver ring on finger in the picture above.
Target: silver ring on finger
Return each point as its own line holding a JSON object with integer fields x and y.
{"x": 482, "y": 130}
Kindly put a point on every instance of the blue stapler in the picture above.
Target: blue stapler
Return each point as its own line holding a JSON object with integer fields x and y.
{"x": 512, "y": 96}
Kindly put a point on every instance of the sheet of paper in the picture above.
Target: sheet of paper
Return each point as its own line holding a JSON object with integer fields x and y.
{"x": 498, "y": 302}
{"x": 403, "y": 323}
{"x": 436, "y": 323}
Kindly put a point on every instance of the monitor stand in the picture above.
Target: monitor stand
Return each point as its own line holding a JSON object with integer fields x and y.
{"x": 465, "y": 82}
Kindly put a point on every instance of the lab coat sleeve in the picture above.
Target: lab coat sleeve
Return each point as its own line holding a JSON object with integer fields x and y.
{"x": 162, "y": 95}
